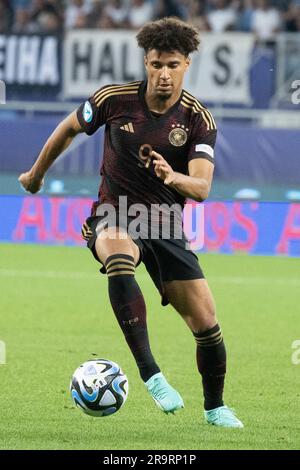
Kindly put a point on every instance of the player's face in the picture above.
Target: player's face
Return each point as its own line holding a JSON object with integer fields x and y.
{"x": 165, "y": 72}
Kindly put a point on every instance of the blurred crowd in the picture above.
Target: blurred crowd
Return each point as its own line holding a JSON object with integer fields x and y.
{"x": 264, "y": 18}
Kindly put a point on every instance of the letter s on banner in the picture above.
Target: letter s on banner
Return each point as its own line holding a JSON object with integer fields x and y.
{"x": 220, "y": 71}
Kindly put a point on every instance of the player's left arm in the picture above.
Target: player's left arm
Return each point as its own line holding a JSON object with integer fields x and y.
{"x": 196, "y": 185}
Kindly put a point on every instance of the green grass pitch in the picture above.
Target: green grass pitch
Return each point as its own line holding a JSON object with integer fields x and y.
{"x": 55, "y": 314}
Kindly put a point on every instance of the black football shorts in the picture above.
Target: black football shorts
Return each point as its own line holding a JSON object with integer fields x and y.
{"x": 164, "y": 259}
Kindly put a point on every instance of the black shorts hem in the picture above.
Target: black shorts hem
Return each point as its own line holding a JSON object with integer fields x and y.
{"x": 166, "y": 260}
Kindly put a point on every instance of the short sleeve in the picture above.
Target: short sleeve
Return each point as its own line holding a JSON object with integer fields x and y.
{"x": 94, "y": 112}
{"x": 203, "y": 139}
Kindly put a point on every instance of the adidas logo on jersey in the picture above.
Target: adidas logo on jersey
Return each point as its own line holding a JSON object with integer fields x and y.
{"x": 127, "y": 127}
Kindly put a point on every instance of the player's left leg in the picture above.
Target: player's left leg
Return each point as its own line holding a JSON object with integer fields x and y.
{"x": 119, "y": 255}
{"x": 195, "y": 303}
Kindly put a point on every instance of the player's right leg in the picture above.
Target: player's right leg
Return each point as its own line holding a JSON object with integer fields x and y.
{"x": 119, "y": 254}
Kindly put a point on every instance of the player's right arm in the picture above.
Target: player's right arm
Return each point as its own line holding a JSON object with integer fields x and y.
{"x": 90, "y": 115}
{"x": 58, "y": 141}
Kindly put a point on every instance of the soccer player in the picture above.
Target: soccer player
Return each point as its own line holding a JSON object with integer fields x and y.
{"x": 158, "y": 151}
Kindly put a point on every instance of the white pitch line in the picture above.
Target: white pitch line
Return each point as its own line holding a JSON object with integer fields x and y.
{"x": 45, "y": 274}
{"x": 79, "y": 275}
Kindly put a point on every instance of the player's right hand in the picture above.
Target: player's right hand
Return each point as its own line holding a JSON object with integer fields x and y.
{"x": 31, "y": 183}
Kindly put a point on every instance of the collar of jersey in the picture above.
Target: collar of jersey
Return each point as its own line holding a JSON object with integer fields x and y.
{"x": 142, "y": 91}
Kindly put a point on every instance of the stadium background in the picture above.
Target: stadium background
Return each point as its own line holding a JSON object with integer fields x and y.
{"x": 53, "y": 54}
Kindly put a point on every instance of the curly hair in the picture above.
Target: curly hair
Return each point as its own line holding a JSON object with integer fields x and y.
{"x": 167, "y": 35}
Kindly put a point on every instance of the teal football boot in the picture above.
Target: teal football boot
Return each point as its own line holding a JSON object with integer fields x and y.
{"x": 223, "y": 416}
{"x": 165, "y": 396}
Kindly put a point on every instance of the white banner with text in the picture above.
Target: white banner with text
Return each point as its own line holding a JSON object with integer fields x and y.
{"x": 219, "y": 71}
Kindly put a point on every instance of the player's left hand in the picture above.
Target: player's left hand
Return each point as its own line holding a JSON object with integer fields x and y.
{"x": 162, "y": 168}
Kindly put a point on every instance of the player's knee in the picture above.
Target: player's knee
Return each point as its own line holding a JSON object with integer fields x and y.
{"x": 203, "y": 318}
{"x": 208, "y": 309}
{"x": 119, "y": 264}
{"x": 108, "y": 245}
